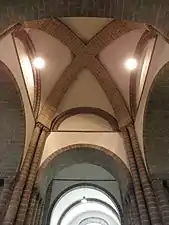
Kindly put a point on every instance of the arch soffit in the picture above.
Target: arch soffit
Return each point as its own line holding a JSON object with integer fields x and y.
{"x": 90, "y": 185}
{"x": 17, "y": 30}
{"x": 146, "y": 36}
{"x": 4, "y": 69}
{"x": 88, "y": 153}
{"x": 156, "y": 106}
{"x": 85, "y": 56}
{"x": 24, "y": 37}
{"x": 14, "y": 91}
{"x": 85, "y": 110}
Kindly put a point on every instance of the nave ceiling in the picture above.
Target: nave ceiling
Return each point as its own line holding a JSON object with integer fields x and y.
{"x": 84, "y": 67}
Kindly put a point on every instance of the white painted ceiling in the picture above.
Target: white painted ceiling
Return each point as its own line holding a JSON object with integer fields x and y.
{"x": 56, "y": 55}
{"x": 85, "y": 91}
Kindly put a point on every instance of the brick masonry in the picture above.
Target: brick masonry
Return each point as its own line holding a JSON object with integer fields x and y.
{"x": 139, "y": 194}
{"x": 140, "y": 11}
{"x": 79, "y": 153}
{"x": 161, "y": 199}
{"x": 156, "y": 131}
{"x": 12, "y": 121}
{"x": 31, "y": 206}
{"x": 85, "y": 110}
{"x": 21, "y": 214}
{"x": 85, "y": 57}
{"x": 148, "y": 193}
{"x": 5, "y": 195}
{"x": 153, "y": 11}
{"x": 146, "y": 36}
{"x": 23, "y": 36}
{"x": 22, "y": 178}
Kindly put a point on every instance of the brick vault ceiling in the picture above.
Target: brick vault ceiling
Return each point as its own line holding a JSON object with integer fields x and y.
{"x": 65, "y": 51}
{"x": 152, "y": 11}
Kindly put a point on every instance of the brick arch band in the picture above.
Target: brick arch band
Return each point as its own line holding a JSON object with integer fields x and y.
{"x": 85, "y": 110}
{"x": 146, "y": 36}
{"x": 17, "y": 31}
{"x": 30, "y": 50}
{"x": 84, "y": 153}
{"x": 13, "y": 124}
{"x": 85, "y": 57}
{"x": 110, "y": 33}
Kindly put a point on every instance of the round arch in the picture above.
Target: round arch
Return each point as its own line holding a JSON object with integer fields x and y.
{"x": 156, "y": 120}
{"x": 84, "y": 153}
{"x": 85, "y": 110}
{"x": 30, "y": 50}
{"x": 12, "y": 120}
{"x": 94, "y": 186}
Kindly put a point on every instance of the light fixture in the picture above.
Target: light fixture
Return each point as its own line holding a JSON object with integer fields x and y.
{"x": 38, "y": 63}
{"x": 84, "y": 200}
{"x": 131, "y": 64}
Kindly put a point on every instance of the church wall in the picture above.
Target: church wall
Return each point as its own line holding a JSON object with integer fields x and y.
{"x": 159, "y": 58}
{"x": 111, "y": 141}
{"x": 85, "y": 122}
{"x": 88, "y": 174}
{"x": 9, "y": 57}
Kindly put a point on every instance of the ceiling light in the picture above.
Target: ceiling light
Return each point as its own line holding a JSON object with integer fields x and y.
{"x": 84, "y": 200}
{"x": 131, "y": 64}
{"x": 38, "y": 63}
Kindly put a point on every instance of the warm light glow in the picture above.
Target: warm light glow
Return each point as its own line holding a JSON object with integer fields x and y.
{"x": 39, "y": 63}
{"x": 131, "y": 64}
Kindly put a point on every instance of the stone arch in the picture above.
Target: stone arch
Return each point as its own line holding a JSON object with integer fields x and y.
{"x": 155, "y": 128}
{"x": 30, "y": 50}
{"x": 90, "y": 185}
{"x": 146, "y": 36}
{"x": 67, "y": 189}
{"x": 12, "y": 119}
{"x": 85, "y": 110}
{"x": 87, "y": 153}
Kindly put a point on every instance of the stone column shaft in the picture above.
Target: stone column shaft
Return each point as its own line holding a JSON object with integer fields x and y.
{"x": 38, "y": 213}
{"x": 18, "y": 190}
{"x": 136, "y": 180}
{"x": 47, "y": 203}
{"x": 31, "y": 207}
{"x": 41, "y": 214}
{"x": 134, "y": 211}
{"x": 31, "y": 179}
{"x": 35, "y": 211}
{"x": 162, "y": 200}
{"x": 146, "y": 186}
{"x": 5, "y": 197}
